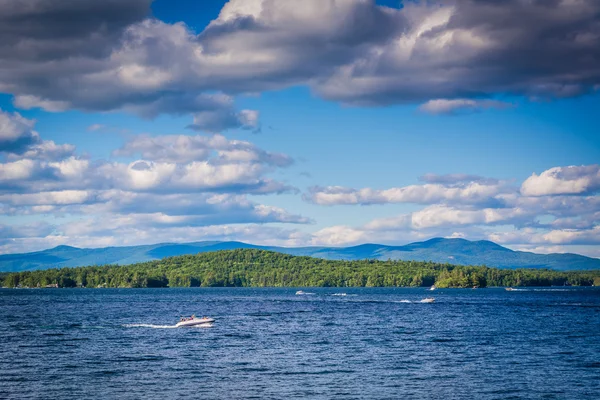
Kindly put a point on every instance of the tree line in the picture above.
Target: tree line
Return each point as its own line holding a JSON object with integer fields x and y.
{"x": 259, "y": 268}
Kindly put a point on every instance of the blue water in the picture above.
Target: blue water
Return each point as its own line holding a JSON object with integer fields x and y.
{"x": 273, "y": 344}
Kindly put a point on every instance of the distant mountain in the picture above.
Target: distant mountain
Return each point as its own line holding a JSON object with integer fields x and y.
{"x": 453, "y": 251}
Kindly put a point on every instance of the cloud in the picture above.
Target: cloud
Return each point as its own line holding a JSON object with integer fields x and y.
{"x": 43, "y": 30}
{"x": 473, "y": 192}
{"x": 224, "y": 116}
{"x": 212, "y": 113}
{"x": 184, "y": 148}
{"x": 27, "y": 102}
{"x": 16, "y": 133}
{"x": 460, "y": 106}
{"x": 452, "y": 55}
{"x": 124, "y": 235}
{"x": 180, "y": 183}
{"x": 455, "y": 179}
{"x": 36, "y": 229}
{"x": 168, "y": 164}
{"x": 19, "y": 140}
{"x": 471, "y": 49}
{"x": 553, "y": 237}
{"x": 555, "y": 212}
{"x": 589, "y": 251}
{"x": 96, "y": 127}
{"x": 563, "y": 180}
{"x": 436, "y": 216}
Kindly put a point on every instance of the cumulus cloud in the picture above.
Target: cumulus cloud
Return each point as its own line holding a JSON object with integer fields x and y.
{"x": 470, "y": 49}
{"x": 176, "y": 163}
{"x": 16, "y": 133}
{"x": 553, "y": 237}
{"x": 452, "y": 55}
{"x": 563, "y": 180}
{"x": 184, "y": 148}
{"x": 436, "y": 216}
{"x": 475, "y": 207}
{"x": 18, "y": 139}
{"x": 178, "y": 182}
{"x": 463, "y": 192}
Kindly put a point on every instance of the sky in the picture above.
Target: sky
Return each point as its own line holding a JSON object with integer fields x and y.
{"x": 313, "y": 123}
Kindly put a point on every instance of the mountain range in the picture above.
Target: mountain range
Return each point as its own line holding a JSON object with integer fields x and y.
{"x": 453, "y": 251}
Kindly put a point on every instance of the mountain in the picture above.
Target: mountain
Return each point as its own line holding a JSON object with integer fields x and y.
{"x": 453, "y": 251}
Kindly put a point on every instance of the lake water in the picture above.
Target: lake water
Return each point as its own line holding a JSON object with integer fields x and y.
{"x": 273, "y": 344}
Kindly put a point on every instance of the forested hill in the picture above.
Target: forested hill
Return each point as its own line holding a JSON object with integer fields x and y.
{"x": 260, "y": 268}
{"x": 441, "y": 250}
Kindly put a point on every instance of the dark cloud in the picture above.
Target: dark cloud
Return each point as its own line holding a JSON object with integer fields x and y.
{"x": 451, "y": 54}
{"x": 46, "y": 30}
{"x": 477, "y": 48}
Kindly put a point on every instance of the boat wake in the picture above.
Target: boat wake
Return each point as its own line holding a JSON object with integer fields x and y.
{"x": 545, "y": 290}
{"x": 165, "y": 326}
{"x": 428, "y": 300}
{"x": 150, "y": 326}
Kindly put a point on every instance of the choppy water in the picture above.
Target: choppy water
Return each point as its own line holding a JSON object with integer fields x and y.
{"x": 270, "y": 343}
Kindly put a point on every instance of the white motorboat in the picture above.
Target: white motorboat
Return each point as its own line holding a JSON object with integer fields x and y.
{"x": 433, "y": 287}
{"x": 301, "y": 293}
{"x": 194, "y": 321}
{"x": 428, "y": 300}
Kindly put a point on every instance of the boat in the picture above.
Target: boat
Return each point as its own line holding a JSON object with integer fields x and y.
{"x": 509, "y": 289}
{"x": 433, "y": 287}
{"x": 193, "y": 321}
{"x": 428, "y": 300}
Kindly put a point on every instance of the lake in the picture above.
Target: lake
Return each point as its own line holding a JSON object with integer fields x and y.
{"x": 379, "y": 343}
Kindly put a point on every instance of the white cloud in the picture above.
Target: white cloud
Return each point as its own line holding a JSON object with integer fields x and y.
{"x": 17, "y": 170}
{"x": 338, "y": 236}
{"x": 474, "y": 192}
{"x": 437, "y": 216}
{"x": 553, "y": 237}
{"x": 563, "y": 180}
{"x": 16, "y": 133}
{"x": 461, "y": 106}
{"x": 184, "y": 149}
{"x": 181, "y": 184}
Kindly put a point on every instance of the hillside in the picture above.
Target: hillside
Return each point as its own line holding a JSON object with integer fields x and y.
{"x": 455, "y": 251}
{"x": 260, "y": 268}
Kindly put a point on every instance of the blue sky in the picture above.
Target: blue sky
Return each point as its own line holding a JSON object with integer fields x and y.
{"x": 333, "y": 123}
